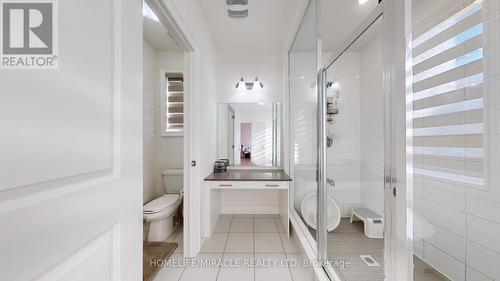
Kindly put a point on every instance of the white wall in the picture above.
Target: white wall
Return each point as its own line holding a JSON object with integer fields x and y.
{"x": 160, "y": 152}
{"x": 170, "y": 149}
{"x": 149, "y": 132}
{"x": 303, "y": 142}
{"x": 222, "y": 131}
{"x": 457, "y": 212}
{"x": 343, "y": 159}
{"x": 191, "y": 19}
{"x": 232, "y": 65}
{"x": 372, "y": 126}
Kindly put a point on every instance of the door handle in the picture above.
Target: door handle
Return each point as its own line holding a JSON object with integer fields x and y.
{"x": 330, "y": 181}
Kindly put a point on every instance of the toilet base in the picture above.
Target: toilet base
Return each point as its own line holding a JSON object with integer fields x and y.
{"x": 161, "y": 229}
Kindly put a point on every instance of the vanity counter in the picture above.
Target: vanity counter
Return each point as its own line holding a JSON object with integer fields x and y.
{"x": 249, "y": 175}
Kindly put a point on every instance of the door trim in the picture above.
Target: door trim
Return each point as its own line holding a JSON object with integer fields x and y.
{"x": 169, "y": 17}
{"x": 398, "y": 166}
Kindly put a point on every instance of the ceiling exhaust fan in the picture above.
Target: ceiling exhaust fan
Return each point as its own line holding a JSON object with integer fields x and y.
{"x": 237, "y": 8}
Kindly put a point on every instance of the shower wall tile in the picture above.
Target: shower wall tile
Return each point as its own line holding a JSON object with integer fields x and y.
{"x": 485, "y": 205}
{"x": 493, "y": 177}
{"x": 418, "y": 186}
{"x": 483, "y": 232}
{"x": 492, "y": 120}
{"x": 483, "y": 260}
{"x": 450, "y": 219}
{"x": 448, "y": 194}
{"x": 473, "y": 275}
{"x": 446, "y": 241}
{"x": 461, "y": 220}
{"x": 492, "y": 91}
{"x": 446, "y": 264}
{"x": 418, "y": 246}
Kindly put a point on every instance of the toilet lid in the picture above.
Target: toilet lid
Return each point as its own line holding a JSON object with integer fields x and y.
{"x": 161, "y": 203}
{"x": 308, "y": 210}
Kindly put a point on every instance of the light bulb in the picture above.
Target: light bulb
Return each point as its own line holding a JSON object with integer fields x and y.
{"x": 257, "y": 84}
{"x": 240, "y": 84}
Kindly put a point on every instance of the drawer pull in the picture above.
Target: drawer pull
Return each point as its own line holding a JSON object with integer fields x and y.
{"x": 225, "y": 185}
{"x": 272, "y": 185}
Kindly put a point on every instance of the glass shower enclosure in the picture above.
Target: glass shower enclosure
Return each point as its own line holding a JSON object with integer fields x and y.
{"x": 448, "y": 129}
{"x": 336, "y": 102}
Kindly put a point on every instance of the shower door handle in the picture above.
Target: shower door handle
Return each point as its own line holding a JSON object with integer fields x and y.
{"x": 330, "y": 182}
{"x": 323, "y": 182}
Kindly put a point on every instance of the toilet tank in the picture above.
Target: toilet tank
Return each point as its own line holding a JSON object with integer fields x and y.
{"x": 173, "y": 180}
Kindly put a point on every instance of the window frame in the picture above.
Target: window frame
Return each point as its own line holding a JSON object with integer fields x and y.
{"x": 164, "y": 132}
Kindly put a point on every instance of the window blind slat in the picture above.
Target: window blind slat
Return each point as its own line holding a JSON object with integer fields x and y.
{"x": 174, "y": 103}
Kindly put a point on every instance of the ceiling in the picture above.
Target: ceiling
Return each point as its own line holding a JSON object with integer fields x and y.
{"x": 339, "y": 19}
{"x": 157, "y": 36}
{"x": 371, "y": 34}
{"x": 266, "y": 28}
{"x": 251, "y": 106}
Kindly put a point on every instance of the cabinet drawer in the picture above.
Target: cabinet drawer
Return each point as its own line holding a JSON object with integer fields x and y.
{"x": 249, "y": 185}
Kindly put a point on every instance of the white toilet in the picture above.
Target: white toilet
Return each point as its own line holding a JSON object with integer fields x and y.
{"x": 308, "y": 210}
{"x": 160, "y": 212}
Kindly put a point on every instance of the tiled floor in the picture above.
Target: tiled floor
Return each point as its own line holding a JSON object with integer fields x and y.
{"x": 347, "y": 243}
{"x": 242, "y": 248}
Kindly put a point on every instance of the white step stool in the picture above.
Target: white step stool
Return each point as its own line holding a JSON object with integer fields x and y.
{"x": 373, "y": 222}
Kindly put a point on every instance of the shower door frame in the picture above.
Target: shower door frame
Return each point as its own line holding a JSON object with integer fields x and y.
{"x": 398, "y": 180}
{"x": 375, "y": 15}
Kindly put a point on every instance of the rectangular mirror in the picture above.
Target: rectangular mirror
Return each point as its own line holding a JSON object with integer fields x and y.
{"x": 249, "y": 134}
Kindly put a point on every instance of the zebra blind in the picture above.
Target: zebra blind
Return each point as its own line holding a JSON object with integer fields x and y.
{"x": 173, "y": 104}
{"x": 448, "y": 97}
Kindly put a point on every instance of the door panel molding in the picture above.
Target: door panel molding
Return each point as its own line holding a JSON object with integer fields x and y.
{"x": 84, "y": 222}
{"x": 108, "y": 241}
{"x": 17, "y": 196}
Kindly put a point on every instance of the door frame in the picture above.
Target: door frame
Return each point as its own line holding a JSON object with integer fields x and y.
{"x": 170, "y": 18}
{"x": 398, "y": 181}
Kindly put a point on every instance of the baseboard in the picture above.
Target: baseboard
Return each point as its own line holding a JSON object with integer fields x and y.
{"x": 249, "y": 210}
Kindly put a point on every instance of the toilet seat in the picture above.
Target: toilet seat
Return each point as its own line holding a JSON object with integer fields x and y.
{"x": 309, "y": 213}
{"x": 161, "y": 203}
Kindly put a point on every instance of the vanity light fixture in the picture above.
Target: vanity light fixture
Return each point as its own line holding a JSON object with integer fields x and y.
{"x": 241, "y": 83}
{"x": 256, "y": 84}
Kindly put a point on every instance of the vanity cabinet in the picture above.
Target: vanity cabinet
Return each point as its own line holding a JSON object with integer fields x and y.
{"x": 248, "y": 197}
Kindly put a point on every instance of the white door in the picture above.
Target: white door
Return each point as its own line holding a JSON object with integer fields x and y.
{"x": 230, "y": 135}
{"x": 259, "y": 142}
{"x": 237, "y": 138}
{"x": 71, "y": 151}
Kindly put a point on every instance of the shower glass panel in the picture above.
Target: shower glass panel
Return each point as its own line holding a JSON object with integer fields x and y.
{"x": 456, "y": 139}
{"x": 303, "y": 69}
{"x": 355, "y": 158}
